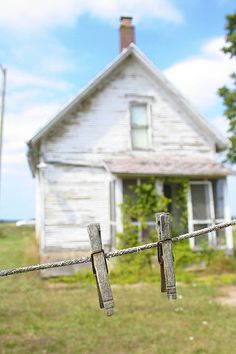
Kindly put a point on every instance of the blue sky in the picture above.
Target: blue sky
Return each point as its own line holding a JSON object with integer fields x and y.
{"x": 52, "y": 48}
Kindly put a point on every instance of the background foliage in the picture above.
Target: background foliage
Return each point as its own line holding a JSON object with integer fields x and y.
{"x": 229, "y": 93}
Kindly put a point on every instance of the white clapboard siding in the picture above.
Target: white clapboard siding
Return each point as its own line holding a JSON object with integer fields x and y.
{"x": 76, "y": 238}
{"x": 74, "y": 197}
{"x": 102, "y": 125}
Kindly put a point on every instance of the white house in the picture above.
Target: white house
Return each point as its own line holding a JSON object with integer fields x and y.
{"x": 125, "y": 125}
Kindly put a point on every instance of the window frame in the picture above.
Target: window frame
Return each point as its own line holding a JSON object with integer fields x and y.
{"x": 141, "y": 102}
{"x": 212, "y": 237}
{"x": 112, "y": 211}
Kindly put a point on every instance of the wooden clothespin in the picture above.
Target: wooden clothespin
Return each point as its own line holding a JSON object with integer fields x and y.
{"x": 165, "y": 256}
{"x": 100, "y": 269}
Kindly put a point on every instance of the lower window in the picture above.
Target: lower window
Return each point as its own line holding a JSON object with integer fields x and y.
{"x": 206, "y": 208}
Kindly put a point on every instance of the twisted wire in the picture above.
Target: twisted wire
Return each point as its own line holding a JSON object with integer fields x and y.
{"x": 116, "y": 253}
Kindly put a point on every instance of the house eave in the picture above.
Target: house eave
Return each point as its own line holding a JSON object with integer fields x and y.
{"x": 32, "y": 157}
{"x": 162, "y": 175}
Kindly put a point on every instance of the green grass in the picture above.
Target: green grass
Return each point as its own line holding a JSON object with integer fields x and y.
{"x": 38, "y": 316}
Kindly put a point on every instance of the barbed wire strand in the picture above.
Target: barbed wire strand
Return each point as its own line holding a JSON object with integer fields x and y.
{"x": 116, "y": 253}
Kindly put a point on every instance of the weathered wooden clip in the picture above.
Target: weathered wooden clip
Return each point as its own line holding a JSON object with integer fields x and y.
{"x": 100, "y": 269}
{"x": 165, "y": 256}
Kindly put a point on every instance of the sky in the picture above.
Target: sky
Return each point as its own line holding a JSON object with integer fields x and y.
{"x": 52, "y": 48}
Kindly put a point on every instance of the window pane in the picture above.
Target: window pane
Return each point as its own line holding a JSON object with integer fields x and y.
{"x": 175, "y": 207}
{"x": 112, "y": 201}
{"x": 220, "y": 237}
{"x": 128, "y": 190}
{"x": 218, "y": 192}
{"x": 128, "y": 186}
{"x": 201, "y": 241}
{"x": 113, "y": 234}
{"x": 139, "y": 138}
{"x": 148, "y": 233}
{"x": 139, "y": 115}
{"x": 200, "y": 201}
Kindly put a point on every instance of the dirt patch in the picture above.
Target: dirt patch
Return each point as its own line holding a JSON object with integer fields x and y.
{"x": 9, "y": 343}
{"x": 60, "y": 285}
{"x": 228, "y": 296}
{"x": 131, "y": 286}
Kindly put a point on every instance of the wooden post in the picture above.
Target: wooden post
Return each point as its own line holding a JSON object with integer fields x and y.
{"x": 100, "y": 269}
{"x": 166, "y": 255}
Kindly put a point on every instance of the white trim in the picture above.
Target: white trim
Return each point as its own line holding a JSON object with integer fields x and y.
{"x": 141, "y": 102}
{"x": 159, "y": 186}
{"x": 204, "y": 181}
{"x": 205, "y": 221}
{"x": 42, "y": 208}
{"x": 37, "y": 206}
{"x": 112, "y": 210}
{"x": 119, "y": 201}
{"x": 209, "y": 222}
{"x": 150, "y": 126}
{"x": 212, "y": 235}
{"x": 190, "y": 216}
{"x": 228, "y": 230}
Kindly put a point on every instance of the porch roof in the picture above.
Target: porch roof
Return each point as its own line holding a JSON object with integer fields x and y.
{"x": 168, "y": 166}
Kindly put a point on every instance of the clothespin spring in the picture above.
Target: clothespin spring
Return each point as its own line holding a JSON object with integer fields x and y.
{"x": 101, "y": 303}
{"x": 161, "y": 262}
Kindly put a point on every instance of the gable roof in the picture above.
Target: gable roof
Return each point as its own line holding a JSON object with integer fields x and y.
{"x": 221, "y": 142}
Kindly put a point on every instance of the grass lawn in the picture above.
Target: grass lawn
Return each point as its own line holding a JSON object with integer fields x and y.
{"x": 39, "y": 316}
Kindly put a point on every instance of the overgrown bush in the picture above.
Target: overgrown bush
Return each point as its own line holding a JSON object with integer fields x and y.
{"x": 141, "y": 207}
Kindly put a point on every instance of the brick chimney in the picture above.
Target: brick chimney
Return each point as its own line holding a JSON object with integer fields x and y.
{"x": 126, "y": 32}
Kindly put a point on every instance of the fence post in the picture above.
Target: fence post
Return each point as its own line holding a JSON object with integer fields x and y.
{"x": 100, "y": 269}
{"x": 165, "y": 255}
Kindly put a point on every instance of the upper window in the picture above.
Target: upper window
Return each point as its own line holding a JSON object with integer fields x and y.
{"x": 139, "y": 126}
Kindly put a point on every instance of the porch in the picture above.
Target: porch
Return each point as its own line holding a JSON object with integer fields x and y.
{"x": 206, "y": 199}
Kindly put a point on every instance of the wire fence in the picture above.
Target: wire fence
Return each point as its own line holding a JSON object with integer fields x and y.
{"x": 116, "y": 253}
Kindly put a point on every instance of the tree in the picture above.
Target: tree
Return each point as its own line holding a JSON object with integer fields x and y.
{"x": 229, "y": 94}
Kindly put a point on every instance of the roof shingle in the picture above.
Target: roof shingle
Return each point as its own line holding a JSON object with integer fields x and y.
{"x": 167, "y": 166}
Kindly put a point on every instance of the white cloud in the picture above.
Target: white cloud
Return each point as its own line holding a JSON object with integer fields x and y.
{"x": 21, "y": 125}
{"x": 221, "y": 123}
{"x": 38, "y": 14}
{"x": 199, "y": 77}
{"x": 17, "y": 78}
{"x": 15, "y": 171}
{"x": 55, "y": 65}
{"x": 27, "y": 14}
{"x": 139, "y": 9}
{"x": 21, "y": 98}
{"x": 31, "y": 100}
{"x": 19, "y": 128}
{"x": 13, "y": 159}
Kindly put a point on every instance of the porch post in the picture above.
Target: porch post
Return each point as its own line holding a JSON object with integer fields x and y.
{"x": 119, "y": 201}
{"x": 228, "y": 231}
{"x": 190, "y": 216}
